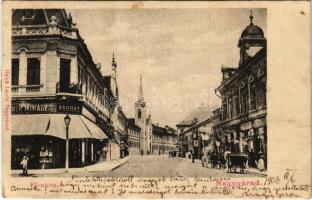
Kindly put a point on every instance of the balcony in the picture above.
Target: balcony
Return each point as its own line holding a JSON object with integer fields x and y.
{"x": 44, "y": 30}
{"x": 26, "y": 89}
{"x": 70, "y": 91}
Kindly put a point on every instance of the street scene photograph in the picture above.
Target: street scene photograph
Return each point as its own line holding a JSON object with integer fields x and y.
{"x": 139, "y": 92}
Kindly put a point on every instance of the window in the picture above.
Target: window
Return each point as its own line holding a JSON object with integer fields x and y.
{"x": 139, "y": 114}
{"x": 253, "y": 98}
{"x": 15, "y": 71}
{"x": 33, "y": 71}
{"x": 64, "y": 75}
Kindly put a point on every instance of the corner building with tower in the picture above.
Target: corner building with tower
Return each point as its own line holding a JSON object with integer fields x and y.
{"x": 54, "y": 75}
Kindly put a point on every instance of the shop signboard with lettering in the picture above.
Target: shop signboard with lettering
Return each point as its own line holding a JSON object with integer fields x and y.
{"x": 44, "y": 107}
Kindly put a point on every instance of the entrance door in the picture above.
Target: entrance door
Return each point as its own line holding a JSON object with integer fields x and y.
{"x": 64, "y": 75}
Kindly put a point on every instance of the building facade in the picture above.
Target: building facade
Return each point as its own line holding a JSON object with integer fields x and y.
{"x": 200, "y": 135}
{"x": 53, "y": 75}
{"x": 243, "y": 96}
{"x": 134, "y": 137}
{"x": 164, "y": 140}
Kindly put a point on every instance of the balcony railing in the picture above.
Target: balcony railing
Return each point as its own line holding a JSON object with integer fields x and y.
{"x": 72, "y": 89}
{"x": 26, "y": 88}
{"x": 49, "y": 30}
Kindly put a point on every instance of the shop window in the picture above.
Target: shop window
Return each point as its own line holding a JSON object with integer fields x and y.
{"x": 15, "y": 71}
{"x": 33, "y": 71}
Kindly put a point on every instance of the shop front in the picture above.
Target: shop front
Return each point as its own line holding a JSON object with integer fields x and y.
{"x": 42, "y": 138}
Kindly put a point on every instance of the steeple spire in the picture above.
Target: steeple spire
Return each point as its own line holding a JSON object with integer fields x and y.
{"x": 251, "y": 17}
{"x": 141, "y": 89}
{"x": 114, "y": 64}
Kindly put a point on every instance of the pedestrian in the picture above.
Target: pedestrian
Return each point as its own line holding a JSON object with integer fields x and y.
{"x": 192, "y": 154}
{"x": 206, "y": 156}
{"x": 251, "y": 158}
{"x": 261, "y": 162}
{"x": 24, "y": 164}
{"x": 226, "y": 158}
{"x": 222, "y": 160}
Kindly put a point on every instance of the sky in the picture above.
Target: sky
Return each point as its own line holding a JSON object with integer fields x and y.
{"x": 179, "y": 53}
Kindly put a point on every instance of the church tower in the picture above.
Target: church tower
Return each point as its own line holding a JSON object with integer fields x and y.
{"x": 114, "y": 78}
{"x": 140, "y": 118}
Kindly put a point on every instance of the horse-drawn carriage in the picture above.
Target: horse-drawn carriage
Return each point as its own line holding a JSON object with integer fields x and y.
{"x": 236, "y": 160}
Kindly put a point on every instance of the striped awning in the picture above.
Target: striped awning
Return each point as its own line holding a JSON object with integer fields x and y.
{"x": 53, "y": 125}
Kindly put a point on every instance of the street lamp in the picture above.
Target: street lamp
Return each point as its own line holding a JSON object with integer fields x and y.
{"x": 67, "y": 122}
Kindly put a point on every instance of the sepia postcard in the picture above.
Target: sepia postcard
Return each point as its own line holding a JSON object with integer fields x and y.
{"x": 152, "y": 100}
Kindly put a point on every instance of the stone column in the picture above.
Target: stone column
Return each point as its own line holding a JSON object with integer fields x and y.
{"x": 241, "y": 142}
{"x": 74, "y": 70}
{"x": 23, "y": 68}
{"x": 43, "y": 67}
{"x": 239, "y": 102}
{"x": 92, "y": 151}
{"x": 249, "y": 100}
{"x": 52, "y": 71}
{"x": 83, "y": 146}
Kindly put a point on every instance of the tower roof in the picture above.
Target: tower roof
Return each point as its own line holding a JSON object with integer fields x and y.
{"x": 114, "y": 64}
{"x": 252, "y": 34}
{"x": 140, "y": 96}
{"x": 22, "y": 17}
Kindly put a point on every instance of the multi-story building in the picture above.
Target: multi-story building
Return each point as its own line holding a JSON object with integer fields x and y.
{"x": 201, "y": 134}
{"x": 243, "y": 96}
{"x": 134, "y": 137}
{"x": 53, "y": 74}
{"x": 118, "y": 118}
{"x": 164, "y": 139}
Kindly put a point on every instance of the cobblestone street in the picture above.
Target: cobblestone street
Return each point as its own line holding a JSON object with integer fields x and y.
{"x": 157, "y": 166}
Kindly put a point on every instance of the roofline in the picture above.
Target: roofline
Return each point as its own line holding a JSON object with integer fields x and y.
{"x": 200, "y": 124}
{"x": 242, "y": 67}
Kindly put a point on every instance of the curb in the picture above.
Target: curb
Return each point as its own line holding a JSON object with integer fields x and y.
{"x": 117, "y": 166}
{"x": 256, "y": 173}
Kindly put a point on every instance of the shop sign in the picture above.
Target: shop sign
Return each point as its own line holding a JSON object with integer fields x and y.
{"x": 36, "y": 108}
{"x": 69, "y": 108}
{"x": 33, "y": 108}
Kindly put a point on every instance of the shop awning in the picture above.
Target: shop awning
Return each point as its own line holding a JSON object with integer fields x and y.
{"x": 53, "y": 125}
{"x": 94, "y": 130}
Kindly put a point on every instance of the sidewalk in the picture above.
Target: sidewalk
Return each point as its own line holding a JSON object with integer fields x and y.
{"x": 98, "y": 167}
{"x": 256, "y": 171}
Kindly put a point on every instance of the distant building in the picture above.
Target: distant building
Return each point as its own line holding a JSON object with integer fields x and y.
{"x": 144, "y": 122}
{"x": 164, "y": 139}
{"x": 153, "y": 138}
{"x": 243, "y": 95}
{"x": 200, "y": 113}
{"x": 201, "y": 134}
